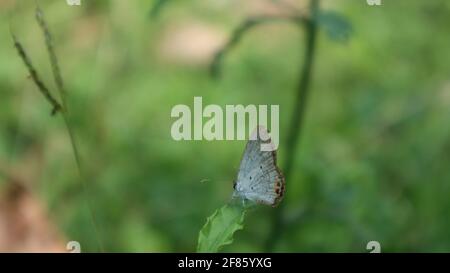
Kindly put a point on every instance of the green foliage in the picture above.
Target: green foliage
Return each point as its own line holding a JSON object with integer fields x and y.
{"x": 220, "y": 228}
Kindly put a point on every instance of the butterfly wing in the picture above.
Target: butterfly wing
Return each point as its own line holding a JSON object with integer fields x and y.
{"x": 259, "y": 178}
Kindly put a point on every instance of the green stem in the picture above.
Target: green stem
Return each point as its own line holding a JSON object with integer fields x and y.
{"x": 82, "y": 178}
{"x": 65, "y": 113}
{"x": 297, "y": 121}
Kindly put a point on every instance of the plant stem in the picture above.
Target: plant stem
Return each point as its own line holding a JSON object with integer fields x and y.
{"x": 82, "y": 178}
{"x": 65, "y": 111}
{"x": 242, "y": 29}
{"x": 297, "y": 120}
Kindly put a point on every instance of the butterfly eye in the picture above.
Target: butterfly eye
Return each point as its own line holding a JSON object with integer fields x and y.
{"x": 250, "y": 178}
{"x": 234, "y": 185}
{"x": 260, "y": 167}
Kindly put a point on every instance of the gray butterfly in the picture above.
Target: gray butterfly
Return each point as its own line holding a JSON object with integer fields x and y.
{"x": 259, "y": 179}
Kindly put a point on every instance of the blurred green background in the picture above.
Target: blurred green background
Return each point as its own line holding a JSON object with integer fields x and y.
{"x": 374, "y": 158}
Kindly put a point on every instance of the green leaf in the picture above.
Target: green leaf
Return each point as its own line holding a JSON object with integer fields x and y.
{"x": 337, "y": 27}
{"x": 220, "y": 228}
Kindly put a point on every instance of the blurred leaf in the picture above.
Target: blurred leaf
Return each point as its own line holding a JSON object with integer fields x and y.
{"x": 337, "y": 27}
{"x": 157, "y": 7}
{"x": 220, "y": 227}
